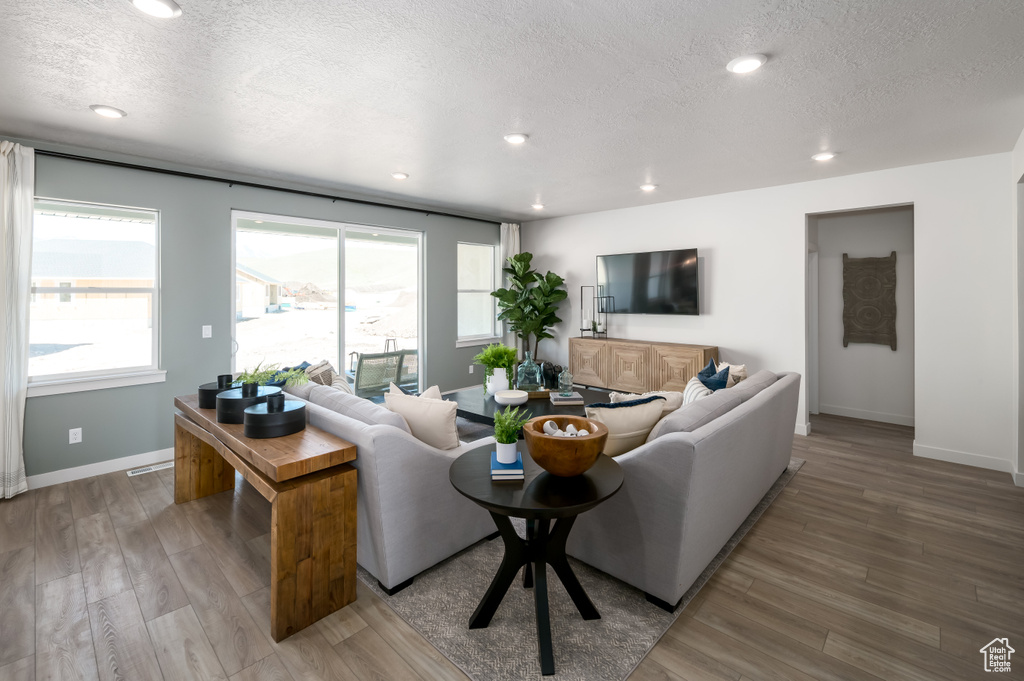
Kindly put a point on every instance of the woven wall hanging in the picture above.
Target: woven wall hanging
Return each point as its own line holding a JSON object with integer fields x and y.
{"x": 869, "y": 300}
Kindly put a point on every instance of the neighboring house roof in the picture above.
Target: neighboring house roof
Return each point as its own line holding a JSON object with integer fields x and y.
{"x": 91, "y": 259}
{"x": 256, "y": 274}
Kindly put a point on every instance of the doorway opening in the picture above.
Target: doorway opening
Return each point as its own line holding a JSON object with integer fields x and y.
{"x": 850, "y": 372}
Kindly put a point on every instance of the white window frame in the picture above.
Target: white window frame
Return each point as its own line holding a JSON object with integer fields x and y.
{"x": 100, "y": 379}
{"x": 343, "y": 229}
{"x": 495, "y": 335}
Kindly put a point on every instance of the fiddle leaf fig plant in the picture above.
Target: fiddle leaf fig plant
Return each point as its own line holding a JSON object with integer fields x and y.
{"x": 530, "y": 303}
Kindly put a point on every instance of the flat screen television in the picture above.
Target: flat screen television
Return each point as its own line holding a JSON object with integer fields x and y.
{"x": 660, "y": 282}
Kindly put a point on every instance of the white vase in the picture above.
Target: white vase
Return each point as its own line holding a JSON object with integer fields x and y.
{"x": 507, "y": 452}
{"x": 497, "y": 381}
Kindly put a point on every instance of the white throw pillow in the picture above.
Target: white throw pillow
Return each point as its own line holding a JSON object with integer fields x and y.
{"x": 628, "y": 423}
{"x": 431, "y": 419}
{"x": 431, "y": 393}
{"x": 737, "y": 372}
{"x": 673, "y": 399}
{"x": 695, "y": 390}
{"x": 341, "y": 383}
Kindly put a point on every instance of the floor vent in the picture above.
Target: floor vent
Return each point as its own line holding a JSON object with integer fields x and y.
{"x": 150, "y": 469}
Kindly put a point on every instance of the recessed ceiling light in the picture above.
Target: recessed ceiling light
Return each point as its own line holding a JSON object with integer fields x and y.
{"x": 108, "y": 111}
{"x": 161, "y": 9}
{"x": 746, "y": 64}
{"x": 824, "y": 156}
{"x": 515, "y": 138}
{"x": 538, "y": 206}
{"x": 400, "y": 176}
{"x": 648, "y": 187}
{"x": 259, "y": 222}
{"x": 375, "y": 234}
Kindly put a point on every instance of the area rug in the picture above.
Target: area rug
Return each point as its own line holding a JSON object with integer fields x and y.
{"x": 439, "y": 602}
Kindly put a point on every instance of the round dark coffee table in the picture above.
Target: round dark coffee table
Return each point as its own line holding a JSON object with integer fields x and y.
{"x": 540, "y": 498}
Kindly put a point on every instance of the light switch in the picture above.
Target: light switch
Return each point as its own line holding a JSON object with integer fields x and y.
{"x": 207, "y": 331}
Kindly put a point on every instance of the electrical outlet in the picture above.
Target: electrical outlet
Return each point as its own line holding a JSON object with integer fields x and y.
{"x": 207, "y": 331}
{"x": 470, "y": 368}
{"x": 74, "y": 436}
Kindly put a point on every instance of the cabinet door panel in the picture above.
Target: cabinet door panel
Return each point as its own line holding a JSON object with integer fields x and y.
{"x": 587, "y": 362}
{"x": 630, "y": 367}
{"x": 674, "y": 367}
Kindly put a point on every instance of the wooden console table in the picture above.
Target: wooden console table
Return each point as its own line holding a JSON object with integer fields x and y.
{"x": 636, "y": 366}
{"x": 312, "y": 491}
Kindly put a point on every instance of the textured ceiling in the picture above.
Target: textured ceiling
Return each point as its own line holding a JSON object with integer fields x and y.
{"x": 338, "y": 95}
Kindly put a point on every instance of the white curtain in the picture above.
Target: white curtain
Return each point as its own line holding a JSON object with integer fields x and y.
{"x": 17, "y": 190}
{"x": 509, "y": 247}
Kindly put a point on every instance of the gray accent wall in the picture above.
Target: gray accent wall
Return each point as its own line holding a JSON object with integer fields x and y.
{"x": 195, "y": 289}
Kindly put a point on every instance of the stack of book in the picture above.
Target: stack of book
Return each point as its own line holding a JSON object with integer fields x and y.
{"x": 506, "y": 471}
{"x": 573, "y": 400}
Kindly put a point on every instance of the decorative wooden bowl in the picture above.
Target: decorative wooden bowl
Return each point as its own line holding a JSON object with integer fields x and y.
{"x": 565, "y": 456}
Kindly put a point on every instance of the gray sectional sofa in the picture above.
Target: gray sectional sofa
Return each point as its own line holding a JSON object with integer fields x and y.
{"x": 690, "y": 486}
{"x": 409, "y": 517}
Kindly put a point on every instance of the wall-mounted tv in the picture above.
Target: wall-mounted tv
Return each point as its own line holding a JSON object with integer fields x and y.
{"x": 660, "y": 282}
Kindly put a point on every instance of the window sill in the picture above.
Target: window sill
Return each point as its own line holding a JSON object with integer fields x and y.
{"x": 476, "y": 342}
{"x": 61, "y": 387}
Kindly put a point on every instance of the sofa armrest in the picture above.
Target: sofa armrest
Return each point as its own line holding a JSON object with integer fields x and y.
{"x": 636, "y": 534}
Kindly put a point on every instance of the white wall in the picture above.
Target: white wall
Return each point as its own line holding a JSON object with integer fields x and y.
{"x": 862, "y": 380}
{"x": 753, "y": 250}
{"x": 1017, "y": 178}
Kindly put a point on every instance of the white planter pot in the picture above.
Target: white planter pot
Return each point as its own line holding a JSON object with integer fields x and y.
{"x": 506, "y": 452}
{"x": 497, "y": 381}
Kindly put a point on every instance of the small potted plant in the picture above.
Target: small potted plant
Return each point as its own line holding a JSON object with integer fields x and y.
{"x": 507, "y": 425}
{"x": 264, "y": 375}
{"x": 494, "y": 357}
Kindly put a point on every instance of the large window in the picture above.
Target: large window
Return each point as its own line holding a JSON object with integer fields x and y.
{"x": 93, "y": 311}
{"x": 312, "y": 290}
{"x": 476, "y": 280}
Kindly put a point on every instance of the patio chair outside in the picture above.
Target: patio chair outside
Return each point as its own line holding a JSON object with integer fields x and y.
{"x": 375, "y": 371}
{"x": 410, "y": 372}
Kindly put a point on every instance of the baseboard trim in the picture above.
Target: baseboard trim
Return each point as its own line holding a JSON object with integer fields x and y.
{"x": 99, "y": 468}
{"x": 1018, "y": 479}
{"x": 966, "y": 458}
{"x": 803, "y": 429}
{"x": 866, "y": 415}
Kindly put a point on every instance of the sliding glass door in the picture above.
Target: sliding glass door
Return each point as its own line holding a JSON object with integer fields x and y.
{"x": 310, "y": 290}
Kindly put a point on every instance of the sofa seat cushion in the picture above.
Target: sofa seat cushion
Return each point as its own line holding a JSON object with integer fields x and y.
{"x": 431, "y": 419}
{"x": 690, "y": 417}
{"x": 673, "y": 399}
{"x": 751, "y": 386}
{"x": 354, "y": 407}
{"x": 628, "y": 423}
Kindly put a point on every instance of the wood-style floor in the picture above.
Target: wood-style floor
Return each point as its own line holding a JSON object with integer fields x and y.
{"x": 872, "y": 564}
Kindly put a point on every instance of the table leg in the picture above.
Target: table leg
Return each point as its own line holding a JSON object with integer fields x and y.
{"x": 515, "y": 556}
{"x": 540, "y": 599}
{"x": 199, "y": 470}
{"x": 555, "y": 555}
{"x": 312, "y": 551}
{"x": 531, "y": 526}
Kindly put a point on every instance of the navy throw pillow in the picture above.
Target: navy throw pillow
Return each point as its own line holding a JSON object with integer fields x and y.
{"x": 708, "y": 371}
{"x": 712, "y": 378}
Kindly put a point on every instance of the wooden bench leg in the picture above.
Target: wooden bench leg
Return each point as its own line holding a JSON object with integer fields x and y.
{"x": 199, "y": 470}
{"x": 312, "y": 552}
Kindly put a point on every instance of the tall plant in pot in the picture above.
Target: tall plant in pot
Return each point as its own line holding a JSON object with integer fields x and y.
{"x": 530, "y": 303}
{"x": 507, "y": 425}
